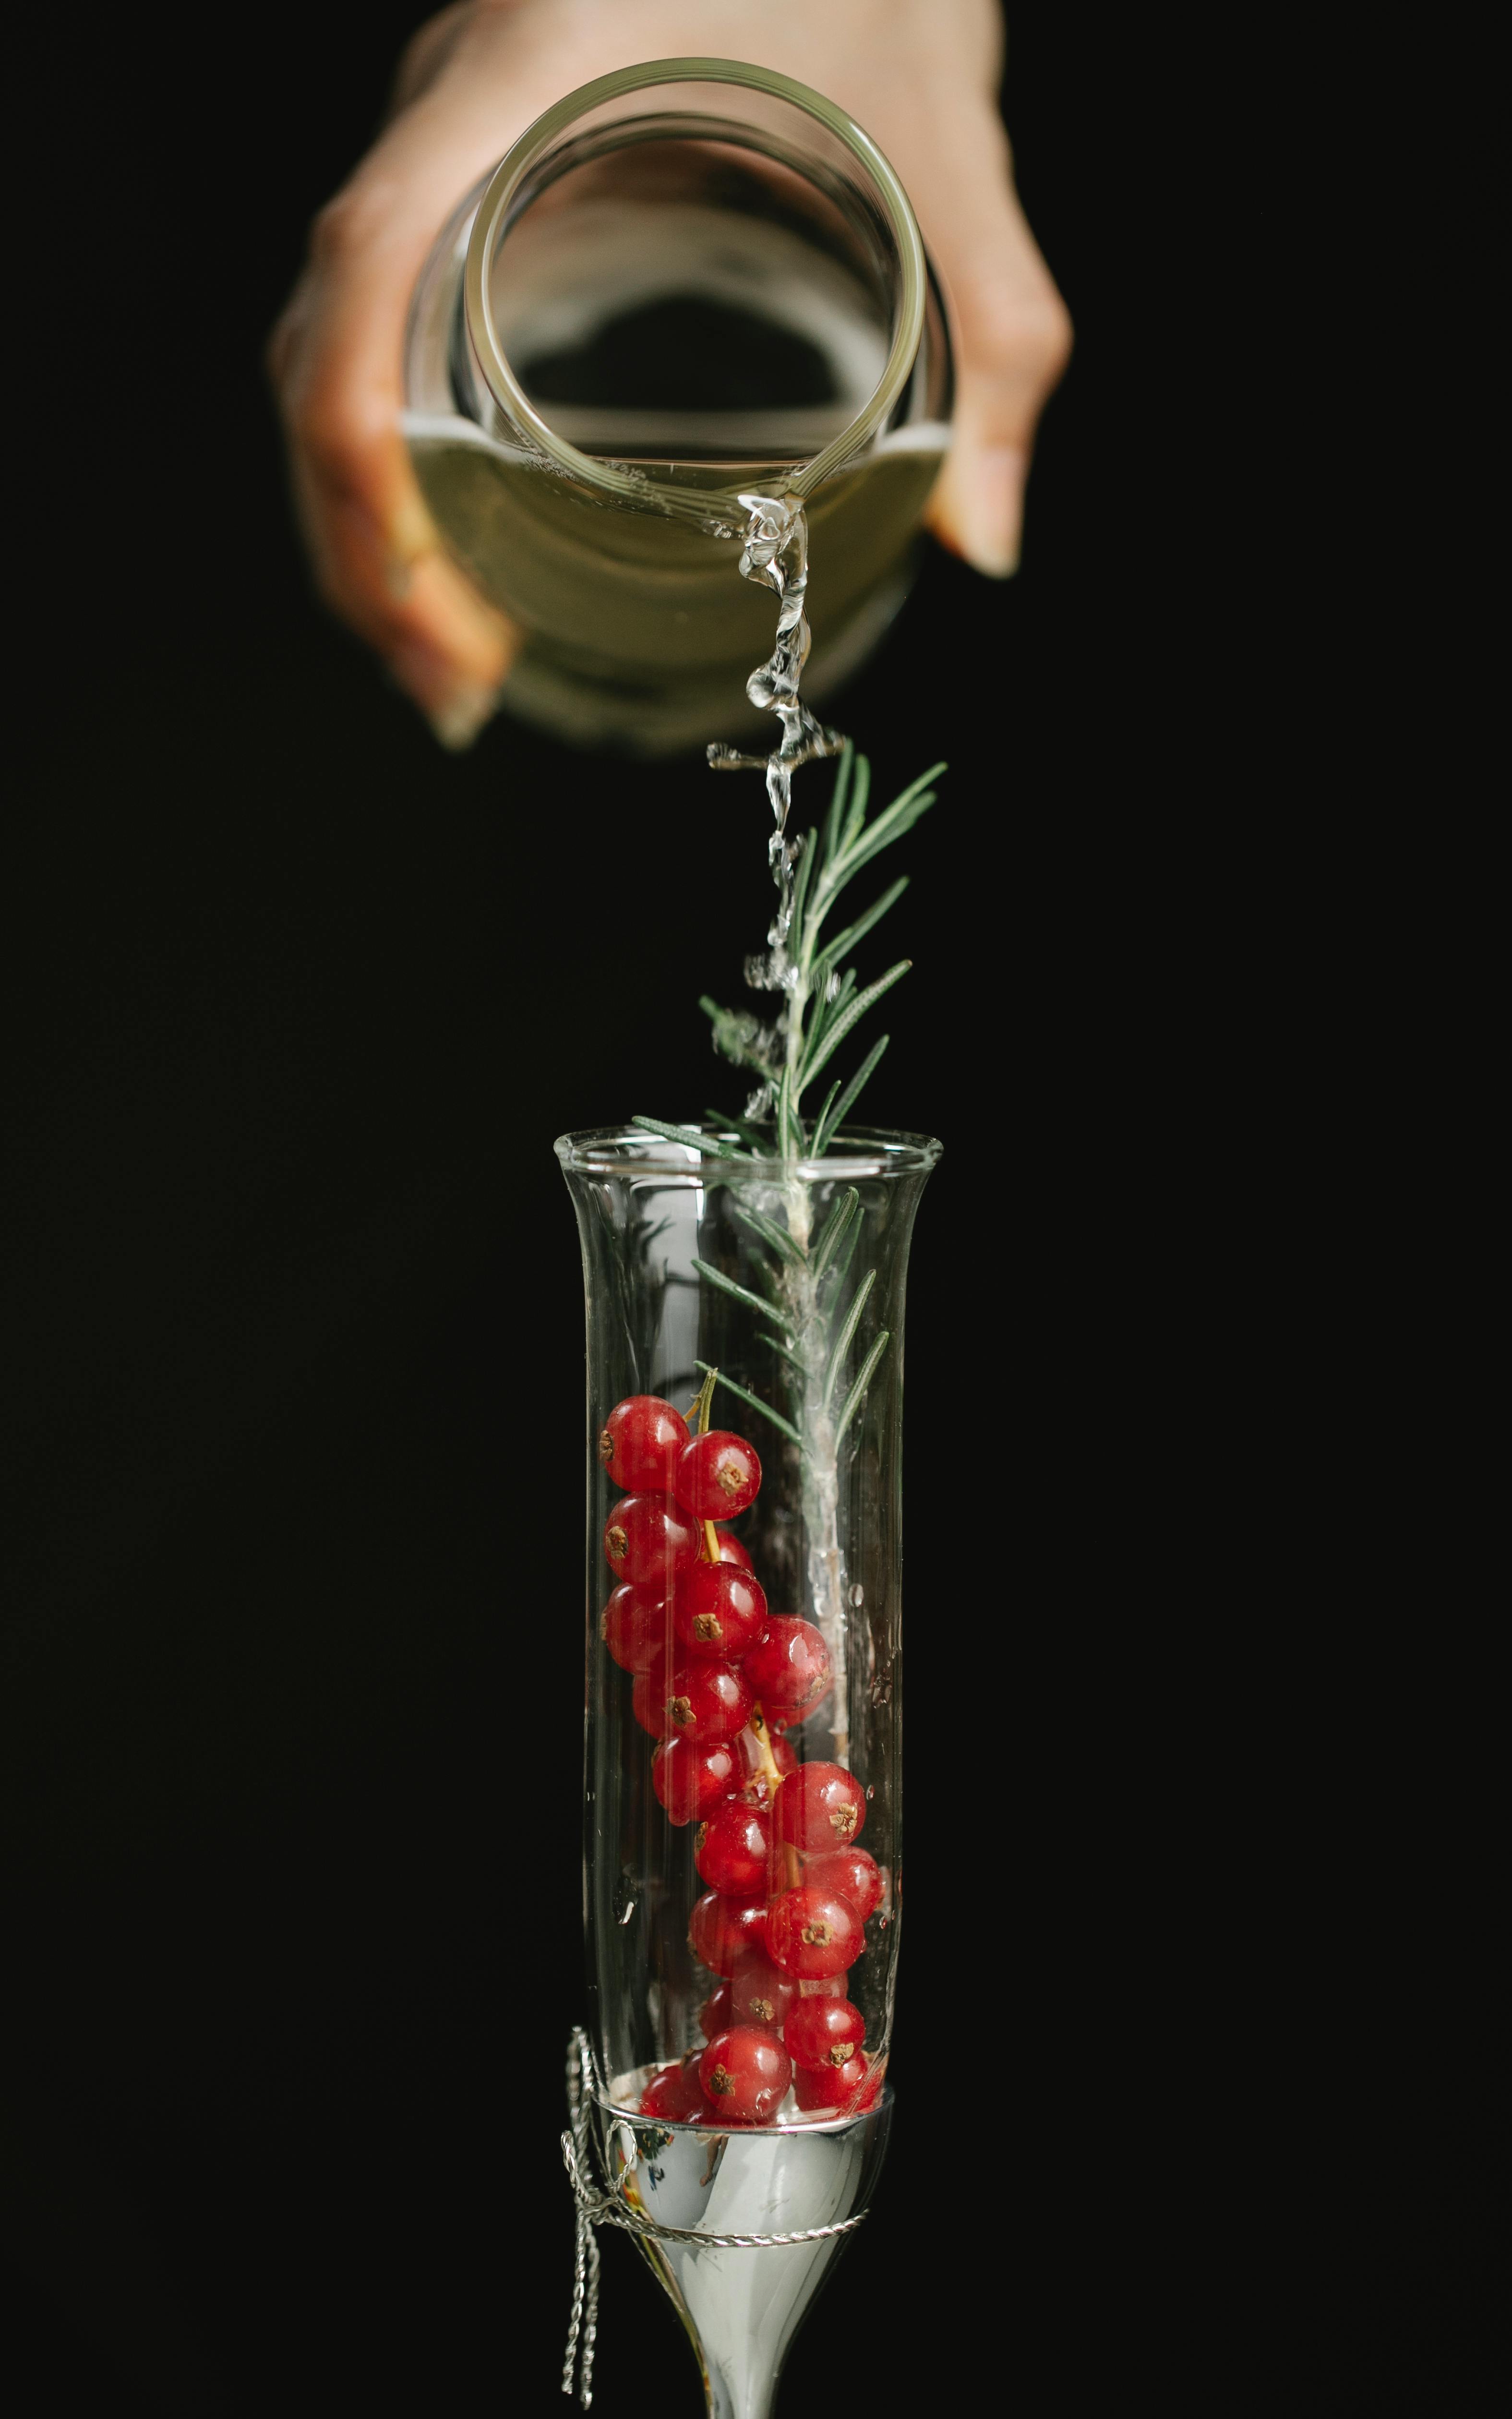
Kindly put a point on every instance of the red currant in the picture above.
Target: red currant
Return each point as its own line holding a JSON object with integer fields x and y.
{"x": 856, "y": 2087}
{"x": 760, "y": 1994}
{"x": 852, "y": 1873}
{"x": 732, "y": 1850}
{"x": 636, "y": 1624}
{"x": 640, "y": 1443}
{"x": 715, "y": 2015}
{"x": 676, "y": 2095}
{"x": 732, "y": 1550}
{"x": 687, "y": 1699}
{"x": 691, "y": 1777}
{"x": 824, "y": 2033}
{"x": 724, "y": 1930}
{"x": 822, "y": 1807}
{"x": 744, "y": 2074}
{"x": 871, "y": 2078}
{"x": 788, "y": 1667}
{"x": 719, "y": 1610}
{"x": 718, "y": 1475}
{"x": 647, "y": 1539}
{"x": 813, "y": 1933}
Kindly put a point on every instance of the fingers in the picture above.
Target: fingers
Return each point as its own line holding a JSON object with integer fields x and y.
{"x": 1013, "y": 334}
{"x": 336, "y": 362}
{"x": 428, "y": 52}
{"x": 470, "y": 82}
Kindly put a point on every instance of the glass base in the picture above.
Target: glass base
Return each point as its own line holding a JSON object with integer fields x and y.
{"x": 742, "y": 2307}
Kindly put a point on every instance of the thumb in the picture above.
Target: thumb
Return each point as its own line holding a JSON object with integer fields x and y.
{"x": 1013, "y": 341}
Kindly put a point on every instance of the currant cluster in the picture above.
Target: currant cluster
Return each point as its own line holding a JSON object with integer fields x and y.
{"x": 718, "y": 1679}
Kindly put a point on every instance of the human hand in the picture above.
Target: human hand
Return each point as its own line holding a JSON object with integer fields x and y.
{"x": 919, "y": 75}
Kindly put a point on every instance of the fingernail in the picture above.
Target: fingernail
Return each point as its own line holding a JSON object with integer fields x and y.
{"x": 457, "y": 723}
{"x": 412, "y": 532}
{"x": 992, "y": 514}
{"x": 409, "y": 536}
{"x": 456, "y": 710}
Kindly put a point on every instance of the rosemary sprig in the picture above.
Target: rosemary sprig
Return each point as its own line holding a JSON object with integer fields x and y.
{"x": 844, "y": 1255}
{"x": 856, "y": 1395}
{"x": 840, "y": 1025}
{"x": 742, "y": 1294}
{"x": 691, "y": 1137}
{"x": 835, "y": 949}
{"x": 748, "y": 1132}
{"x": 754, "y": 1401}
{"x": 808, "y": 1314}
{"x": 829, "y": 1124}
{"x": 769, "y": 1231}
{"x": 784, "y": 1352}
{"x": 840, "y": 798}
{"x": 846, "y": 1336}
{"x": 823, "y": 1005}
{"x": 833, "y": 1230}
{"x": 819, "y": 1121}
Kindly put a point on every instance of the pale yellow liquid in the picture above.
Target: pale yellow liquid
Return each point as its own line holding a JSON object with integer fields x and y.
{"x": 640, "y": 630}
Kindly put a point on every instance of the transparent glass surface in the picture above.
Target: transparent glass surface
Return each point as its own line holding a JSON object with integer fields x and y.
{"x": 686, "y": 281}
{"x": 809, "y": 1263}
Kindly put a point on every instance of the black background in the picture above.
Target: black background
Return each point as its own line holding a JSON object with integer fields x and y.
{"x": 294, "y": 1303}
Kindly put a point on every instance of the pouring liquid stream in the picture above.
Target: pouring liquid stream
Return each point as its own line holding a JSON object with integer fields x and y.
{"x": 776, "y": 554}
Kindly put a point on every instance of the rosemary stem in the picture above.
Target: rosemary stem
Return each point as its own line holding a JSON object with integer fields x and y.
{"x": 821, "y": 1475}
{"x": 821, "y": 1482}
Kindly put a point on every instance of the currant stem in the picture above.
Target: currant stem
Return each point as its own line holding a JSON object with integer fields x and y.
{"x": 758, "y": 1723}
{"x": 702, "y": 1403}
{"x": 774, "y": 1778}
{"x": 711, "y": 1541}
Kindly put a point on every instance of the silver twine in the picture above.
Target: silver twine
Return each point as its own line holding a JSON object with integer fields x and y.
{"x": 610, "y": 2208}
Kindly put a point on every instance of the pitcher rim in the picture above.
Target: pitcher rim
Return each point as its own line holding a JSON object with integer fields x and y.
{"x": 639, "y": 490}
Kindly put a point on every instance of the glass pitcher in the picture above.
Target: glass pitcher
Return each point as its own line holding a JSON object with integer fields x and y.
{"x": 687, "y": 280}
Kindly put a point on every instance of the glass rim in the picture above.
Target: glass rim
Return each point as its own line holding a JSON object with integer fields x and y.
{"x": 537, "y": 139}
{"x": 855, "y": 1152}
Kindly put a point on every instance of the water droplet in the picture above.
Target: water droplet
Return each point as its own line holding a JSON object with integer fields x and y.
{"x": 870, "y": 1790}
{"x": 882, "y": 1921}
{"x": 629, "y": 1910}
{"x": 857, "y": 1596}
